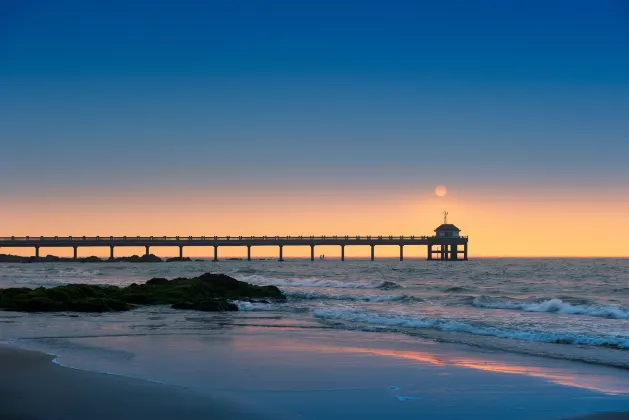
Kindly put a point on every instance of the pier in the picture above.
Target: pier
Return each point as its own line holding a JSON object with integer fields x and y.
{"x": 439, "y": 247}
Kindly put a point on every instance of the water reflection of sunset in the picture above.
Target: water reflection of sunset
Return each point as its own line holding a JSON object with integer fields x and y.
{"x": 561, "y": 376}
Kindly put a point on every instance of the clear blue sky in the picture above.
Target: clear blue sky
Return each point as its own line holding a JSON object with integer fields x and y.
{"x": 102, "y": 93}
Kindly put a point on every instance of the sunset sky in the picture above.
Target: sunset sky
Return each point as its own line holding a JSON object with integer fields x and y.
{"x": 318, "y": 117}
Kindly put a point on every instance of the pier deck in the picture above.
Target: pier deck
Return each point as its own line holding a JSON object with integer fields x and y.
{"x": 453, "y": 248}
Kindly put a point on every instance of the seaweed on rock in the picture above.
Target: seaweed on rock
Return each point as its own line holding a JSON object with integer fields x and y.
{"x": 208, "y": 292}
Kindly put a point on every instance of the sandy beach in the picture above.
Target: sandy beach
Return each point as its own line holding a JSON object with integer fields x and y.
{"x": 34, "y": 388}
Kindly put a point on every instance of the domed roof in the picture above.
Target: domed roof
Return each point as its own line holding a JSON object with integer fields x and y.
{"x": 447, "y": 227}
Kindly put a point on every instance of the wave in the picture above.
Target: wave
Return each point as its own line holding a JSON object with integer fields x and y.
{"x": 553, "y": 305}
{"x": 402, "y": 321}
{"x": 264, "y": 307}
{"x": 456, "y": 289}
{"x": 310, "y": 295}
{"x": 317, "y": 282}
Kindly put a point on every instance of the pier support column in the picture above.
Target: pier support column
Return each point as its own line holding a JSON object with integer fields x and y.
{"x": 311, "y": 252}
{"x": 148, "y": 248}
{"x": 401, "y": 252}
{"x": 454, "y": 249}
{"x": 215, "y": 253}
{"x": 342, "y": 252}
{"x": 111, "y": 252}
{"x": 37, "y": 251}
{"x": 429, "y": 252}
{"x": 180, "y": 251}
{"x": 281, "y": 253}
{"x": 373, "y": 252}
{"x": 76, "y": 251}
{"x": 465, "y": 252}
{"x": 443, "y": 252}
{"x": 248, "y": 252}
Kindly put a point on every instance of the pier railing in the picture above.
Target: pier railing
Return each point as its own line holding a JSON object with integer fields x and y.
{"x": 449, "y": 245}
{"x": 214, "y": 238}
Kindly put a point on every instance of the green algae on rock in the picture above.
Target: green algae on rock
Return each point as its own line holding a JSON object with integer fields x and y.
{"x": 208, "y": 292}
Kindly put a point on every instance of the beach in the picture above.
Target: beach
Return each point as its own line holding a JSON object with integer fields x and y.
{"x": 33, "y": 388}
{"x": 352, "y": 341}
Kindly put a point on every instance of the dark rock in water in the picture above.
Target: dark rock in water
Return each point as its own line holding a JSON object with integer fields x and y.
{"x": 455, "y": 289}
{"x": 208, "y": 292}
{"x": 199, "y": 260}
{"x": 138, "y": 259}
{"x": 7, "y": 258}
{"x": 234, "y": 259}
{"x": 388, "y": 285}
{"x": 183, "y": 305}
{"x": 157, "y": 281}
{"x": 178, "y": 259}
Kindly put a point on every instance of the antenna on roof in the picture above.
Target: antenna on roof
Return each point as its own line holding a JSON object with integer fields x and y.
{"x": 445, "y": 217}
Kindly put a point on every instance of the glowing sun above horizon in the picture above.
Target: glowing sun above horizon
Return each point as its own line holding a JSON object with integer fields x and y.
{"x": 441, "y": 190}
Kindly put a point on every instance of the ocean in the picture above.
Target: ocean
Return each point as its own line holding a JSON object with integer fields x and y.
{"x": 534, "y": 317}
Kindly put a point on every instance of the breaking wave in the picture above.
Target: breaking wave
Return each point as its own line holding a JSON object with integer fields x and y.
{"x": 402, "y": 321}
{"x": 267, "y": 307}
{"x": 553, "y": 305}
{"x": 317, "y": 282}
{"x": 310, "y": 295}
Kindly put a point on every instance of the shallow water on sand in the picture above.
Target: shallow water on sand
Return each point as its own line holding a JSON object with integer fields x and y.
{"x": 377, "y": 322}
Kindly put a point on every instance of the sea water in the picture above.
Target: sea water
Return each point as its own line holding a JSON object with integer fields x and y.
{"x": 484, "y": 315}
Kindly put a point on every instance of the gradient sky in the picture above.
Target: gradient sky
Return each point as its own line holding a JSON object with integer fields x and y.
{"x": 310, "y": 117}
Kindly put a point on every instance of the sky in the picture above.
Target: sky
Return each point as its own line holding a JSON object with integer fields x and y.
{"x": 318, "y": 117}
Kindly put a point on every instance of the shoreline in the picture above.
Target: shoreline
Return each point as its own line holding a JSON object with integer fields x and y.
{"x": 35, "y": 387}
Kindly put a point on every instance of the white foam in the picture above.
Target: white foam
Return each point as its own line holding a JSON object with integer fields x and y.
{"x": 360, "y": 298}
{"x": 254, "y": 306}
{"x": 554, "y": 305}
{"x": 313, "y": 282}
{"x": 405, "y": 321}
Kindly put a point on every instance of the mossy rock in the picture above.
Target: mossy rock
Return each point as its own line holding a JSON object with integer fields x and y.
{"x": 208, "y": 292}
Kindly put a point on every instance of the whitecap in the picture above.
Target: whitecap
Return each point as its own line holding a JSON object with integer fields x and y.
{"x": 554, "y": 305}
{"x": 405, "y": 321}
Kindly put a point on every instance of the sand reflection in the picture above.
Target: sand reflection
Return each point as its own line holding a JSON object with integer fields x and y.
{"x": 565, "y": 376}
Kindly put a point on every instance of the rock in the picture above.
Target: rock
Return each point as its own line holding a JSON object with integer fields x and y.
{"x": 138, "y": 259}
{"x": 183, "y": 305}
{"x": 7, "y": 258}
{"x": 157, "y": 281}
{"x": 175, "y": 259}
{"x": 208, "y": 292}
{"x": 91, "y": 259}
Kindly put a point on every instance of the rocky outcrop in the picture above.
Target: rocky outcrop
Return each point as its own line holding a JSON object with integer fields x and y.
{"x": 7, "y": 258}
{"x": 138, "y": 259}
{"x": 208, "y": 292}
{"x": 174, "y": 259}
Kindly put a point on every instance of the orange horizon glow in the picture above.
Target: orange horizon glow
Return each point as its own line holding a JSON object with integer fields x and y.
{"x": 545, "y": 224}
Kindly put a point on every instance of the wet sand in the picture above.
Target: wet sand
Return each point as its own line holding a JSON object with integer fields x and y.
{"x": 34, "y": 388}
{"x": 349, "y": 384}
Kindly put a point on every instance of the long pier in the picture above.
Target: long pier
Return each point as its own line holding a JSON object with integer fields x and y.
{"x": 438, "y": 248}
